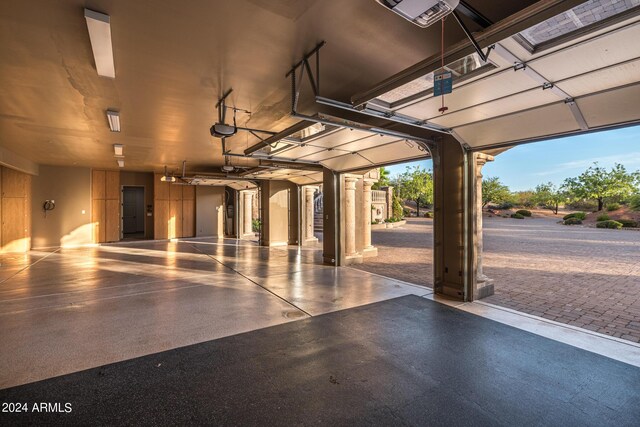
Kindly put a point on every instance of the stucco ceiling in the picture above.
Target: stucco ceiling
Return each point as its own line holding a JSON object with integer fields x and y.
{"x": 174, "y": 58}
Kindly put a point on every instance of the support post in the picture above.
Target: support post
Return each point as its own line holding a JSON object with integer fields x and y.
{"x": 368, "y": 250}
{"x": 308, "y": 193}
{"x": 247, "y": 213}
{"x": 351, "y": 254}
{"x": 484, "y": 285}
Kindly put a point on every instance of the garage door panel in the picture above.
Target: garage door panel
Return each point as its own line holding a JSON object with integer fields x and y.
{"x": 544, "y": 121}
{"x": 613, "y": 107}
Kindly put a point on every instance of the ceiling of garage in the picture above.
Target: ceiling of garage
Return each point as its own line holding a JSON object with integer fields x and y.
{"x": 585, "y": 80}
{"x": 173, "y": 59}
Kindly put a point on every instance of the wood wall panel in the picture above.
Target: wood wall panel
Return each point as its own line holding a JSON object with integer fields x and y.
{"x": 13, "y": 220}
{"x": 13, "y": 183}
{"x": 174, "y": 210}
{"x": 27, "y": 206}
{"x": 175, "y": 219}
{"x": 112, "y": 220}
{"x": 112, "y": 185}
{"x": 15, "y": 211}
{"x": 98, "y": 219}
{"x": 188, "y": 217}
{"x": 160, "y": 189}
{"x": 98, "y": 180}
{"x": 161, "y": 219}
{"x": 175, "y": 192}
{"x": 105, "y": 212}
{"x": 188, "y": 192}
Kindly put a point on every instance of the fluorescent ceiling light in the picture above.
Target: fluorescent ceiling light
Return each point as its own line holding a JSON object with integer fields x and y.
{"x": 114, "y": 120}
{"x": 121, "y": 163}
{"x": 118, "y": 149}
{"x": 100, "y": 35}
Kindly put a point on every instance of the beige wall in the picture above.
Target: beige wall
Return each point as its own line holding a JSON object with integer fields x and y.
{"x": 209, "y": 211}
{"x": 142, "y": 179}
{"x": 69, "y": 223}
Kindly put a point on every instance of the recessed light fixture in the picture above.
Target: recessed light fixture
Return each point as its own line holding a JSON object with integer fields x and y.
{"x": 100, "y": 35}
{"x": 118, "y": 149}
{"x": 121, "y": 163}
{"x": 114, "y": 120}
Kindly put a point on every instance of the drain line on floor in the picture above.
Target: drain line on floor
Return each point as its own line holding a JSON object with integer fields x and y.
{"x": 29, "y": 266}
{"x": 252, "y": 281}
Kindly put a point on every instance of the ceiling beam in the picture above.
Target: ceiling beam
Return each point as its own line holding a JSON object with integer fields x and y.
{"x": 526, "y": 18}
{"x": 278, "y": 136}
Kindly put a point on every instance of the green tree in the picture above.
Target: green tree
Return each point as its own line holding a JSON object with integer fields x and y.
{"x": 549, "y": 196}
{"x": 384, "y": 180}
{"x": 596, "y": 183}
{"x": 495, "y": 191}
{"x": 416, "y": 184}
{"x": 524, "y": 198}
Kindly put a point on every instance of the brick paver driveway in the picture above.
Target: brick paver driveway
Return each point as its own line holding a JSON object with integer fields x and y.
{"x": 580, "y": 276}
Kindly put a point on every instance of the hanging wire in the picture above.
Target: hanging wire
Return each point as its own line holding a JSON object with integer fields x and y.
{"x": 443, "y": 108}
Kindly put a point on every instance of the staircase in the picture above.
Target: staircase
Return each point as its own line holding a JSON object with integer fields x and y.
{"x": 317, "y": 213}
{"x": 317, "y": 222}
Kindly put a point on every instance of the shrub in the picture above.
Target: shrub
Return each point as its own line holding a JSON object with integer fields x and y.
{"x": 406, "y": 212}
{"x": 578, "y": 215}
{"x": 255, "y": 225}
{"x": 613, "y": 207}
{"x": 609, "y": 224}
{"x": 396, "y": 207}
{"x": 572, "y": 221}
{"x": 628, "y": 223}
{"x": 634, "y": 202}
{"x": 583, "y": 205}
{"x": 524, "y": 212}
{"x": 505, "y": 205}
{"x": 603, "y": 217}
{"x": 517, "y": 216}
{"x": 394, "y": 219}
{"x": 428, "y": 214}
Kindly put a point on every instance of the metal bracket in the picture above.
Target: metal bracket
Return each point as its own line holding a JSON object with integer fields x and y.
{"x": 305, "y": 68}
{"x": 481, "y": 54}
{"x": 519, "y": 66}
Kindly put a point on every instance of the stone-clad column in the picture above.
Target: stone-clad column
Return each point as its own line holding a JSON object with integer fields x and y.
{"x": 484, "y": 287}
{"x": 366, "y": 214}
{"x": 308, "y": 194}
{"x": 350, "y": 215}
{"x": 248, "y": 198}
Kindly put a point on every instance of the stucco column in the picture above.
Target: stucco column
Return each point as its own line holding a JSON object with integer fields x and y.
{"x": 366, "y": 213}
{"x": 248, "y": 198}
{"x": 350, "y": 215}
{"x": 481, "y": 160}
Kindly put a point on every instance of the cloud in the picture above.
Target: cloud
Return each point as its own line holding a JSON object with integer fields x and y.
{"x": 629, "y": 160}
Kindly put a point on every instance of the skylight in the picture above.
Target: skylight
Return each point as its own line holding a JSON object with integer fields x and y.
{"x": 585, "y": 15}
{"x": 462, "y": 69}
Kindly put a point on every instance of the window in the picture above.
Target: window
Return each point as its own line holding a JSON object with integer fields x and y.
{"x": 576, "y": 21}
{"x": 462, "y": 69}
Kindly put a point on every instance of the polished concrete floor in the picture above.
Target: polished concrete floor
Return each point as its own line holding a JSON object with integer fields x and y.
{"x": 404, "y": 361}
{"x": 72, "y": 309}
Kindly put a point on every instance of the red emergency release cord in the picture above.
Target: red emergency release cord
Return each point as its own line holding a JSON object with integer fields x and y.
{"x": 443, "y": 109}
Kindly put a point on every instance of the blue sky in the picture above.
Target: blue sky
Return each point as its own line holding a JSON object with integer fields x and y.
{"x": 528, "y": 165}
